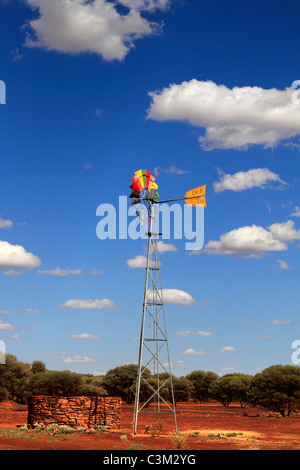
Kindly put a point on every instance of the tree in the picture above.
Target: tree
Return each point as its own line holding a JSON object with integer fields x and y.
{"x": 182, "y": 389}
{"x": 92, "y": 386}
{"x": 277, "y": 388}
{"x": 55, "y": 383}
{"x": 38, "y": 366}
{"x": 231, "y": 388}
{"x": 119, "y": 382}
{"x": 201, "y": 382}
{"x": 14, "y": 380}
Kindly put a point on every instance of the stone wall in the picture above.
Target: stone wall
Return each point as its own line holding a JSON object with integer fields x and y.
{"x": 74, "y": 411}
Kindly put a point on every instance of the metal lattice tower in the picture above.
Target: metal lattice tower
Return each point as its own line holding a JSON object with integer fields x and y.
{"x": 154, "y": 371}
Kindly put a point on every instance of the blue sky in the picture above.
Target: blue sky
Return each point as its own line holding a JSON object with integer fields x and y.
{"x": 196, "y": 92}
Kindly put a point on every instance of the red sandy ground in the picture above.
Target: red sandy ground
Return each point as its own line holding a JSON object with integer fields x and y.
{"x": 261, "y": 430}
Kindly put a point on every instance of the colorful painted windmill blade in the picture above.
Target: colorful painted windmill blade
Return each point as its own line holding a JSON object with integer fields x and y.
{"x": 139, "y": 174}
{"x": 135, "y": 194}
{"x": 144, "y": 177}
{"x": 148, "y": 174}
{"x": 136, "y": 185}
{"x": 151, "y": 181}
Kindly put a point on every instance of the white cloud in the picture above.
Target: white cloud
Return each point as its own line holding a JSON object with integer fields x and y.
{"x": 5, "y": 223}
{"x": 60, "y": 272}
{"x": 232, "y": 118}
{"x": 89, "y": 304}
{"x": 139, "y": 261}
{"x": 179, "y": 297}
{"x": 78, "y": 359}
{"x": 173, "y": 170}
{"x": 258, "y": 177}
{"x": 95, "y": 272}
{"x": 254, "y": 241}
{"x": 296, "y": 213}
{"x": 227, "y": 348}
{"x": 245, "y": 241}
{"x": 181, "y": 363}
{"x": 283, "y": 264}
{"x": 91, "y": 26}
{"x": 84, "y": 336}
{"x": 16, "y": 256}
{"x": 5, "y": 326}
{"x": 16, "y": 55}
{"x": 5, "y": 312}
{"x": 285, "y": 231}
{"x": 279, "y": 322}
{"x": 193, "y": 352}
{"x": 13, "y": 272}
{"x": 32, "y": 310}
{"x": 194, "y": 333}
{"x": 164, "y": 247}
{"x": 88, "y": 165}
{"x": 144, "y": 5}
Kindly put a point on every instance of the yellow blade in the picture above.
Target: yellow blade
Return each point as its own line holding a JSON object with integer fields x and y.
{"x": 141, "y": 178}
{"x": 196, "y": 197}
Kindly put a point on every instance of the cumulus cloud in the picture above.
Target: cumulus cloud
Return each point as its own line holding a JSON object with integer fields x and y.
{"x": 258, "y": 177}
{"x": 250, "y": 241}
{"x": 95, "y": 272}
{"x": 164, "y": 247}
{"x": 194, "y": 333}
{"x": 179, "y": 297}
{"x": 95, "y": 26}
{"x": 227, "y": 349}
{"x": 232, "y": 118}
{"x": 77, "y": 359}
{"x": 193, "y": 352}
{"x": 84, "y": 336}
{"x": 140, "y": 261}
{"x": 296, "y": 213}
{"x": 144, "y": 5}
{"x": 253, "y": 241}
{"x": 5, "y": 326}
{"x": 89, "y": 304}
{"x": 5, "y": 223}
{"x": 279, "y": 322}
{"x": 60, "y": 272}
{"x": 285, "y": 231}
{"x": 283, "y": 264}
{"x": 173, "y": 170}
{"x": 13, "y": 272}
{"x": 15, "y": 256}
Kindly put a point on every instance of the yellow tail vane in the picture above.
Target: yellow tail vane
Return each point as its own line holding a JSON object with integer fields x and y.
{"x": 196, "y": 196}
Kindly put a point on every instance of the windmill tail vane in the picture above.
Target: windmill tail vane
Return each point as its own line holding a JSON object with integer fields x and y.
{"x": 144, "y": 189}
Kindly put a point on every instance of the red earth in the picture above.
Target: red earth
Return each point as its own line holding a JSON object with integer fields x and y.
{"x": 204, "y": 426}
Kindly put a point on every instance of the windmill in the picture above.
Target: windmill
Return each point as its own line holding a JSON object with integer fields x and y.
{"x": 154, "y": 379}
